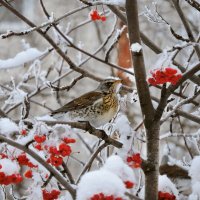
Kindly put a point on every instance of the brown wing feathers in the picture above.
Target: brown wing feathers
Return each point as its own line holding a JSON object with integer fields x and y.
{"x": 79, "y": 103}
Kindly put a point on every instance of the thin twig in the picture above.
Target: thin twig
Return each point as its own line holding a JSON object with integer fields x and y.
{"x": 176, "y": 107}
{"x": 94, "y": 155}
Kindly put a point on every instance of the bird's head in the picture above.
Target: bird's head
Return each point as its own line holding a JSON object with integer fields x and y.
{"x": 110, "y": 85}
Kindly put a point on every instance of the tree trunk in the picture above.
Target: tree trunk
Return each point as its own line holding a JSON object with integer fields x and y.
{"x": 152, "y": 169}
{"x": 152, "y": 126}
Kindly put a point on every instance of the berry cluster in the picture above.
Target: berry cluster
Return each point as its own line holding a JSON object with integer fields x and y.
{"x": 94, "y": 15}
{"x": 101, "y": 196}
{"x": 129, "y": 184}
{"x": 10, "y": 179}
{"x": 3, "y": 155}
{"x": 28, "y": 174}
{"x": 23, "y": 160}
{"x": 52, "y": 195}
{"x": 134, "y": 161}
{"x": 56, "y": 155}
{"x": 40, "y": 138}
{"x": 164, "y": 75}
{"x": 166, "y": 196}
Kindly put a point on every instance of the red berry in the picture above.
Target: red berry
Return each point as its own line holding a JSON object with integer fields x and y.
{"x": 166, "y": 196}
{"x": 94, "y": 15}
{"x": 170, "y": 71}
{"x": 38, "y": 147}
{"x": 3, "y": 155}
{"x": 152, "y": 81}
{"x": 129, "y": 159}
{"x": 24, "y": 132}
{"x": 23, "y": 160}
{"x": 40, "y": 139}
{"x": 135, "y": 160}
{"x": 64, "y": 149}
{"x": 103, "y": 18}
{"x": 53, "y": 150}
{"x": 69, "y": 140}
{"x": 55, "y": 160}
{"x": 28, "y": 174}
{"x": 52, "y": 195}
{"x": 129, "y": 184}
{"x": 102, "y": 196}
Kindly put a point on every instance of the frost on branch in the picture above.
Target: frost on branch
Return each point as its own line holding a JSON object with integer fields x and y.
{"x": 195, "y": 175}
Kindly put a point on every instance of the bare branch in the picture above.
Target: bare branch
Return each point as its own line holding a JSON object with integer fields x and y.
{"x": 194, "y": 4}
{"x": 186, "y": 115}
{"x": 88, "y": 165}
{"x": 178, "y": 105}
{"x": 186, "y": 25}
{"x": 25, "y": 108}
{"x": 68, "y": 87}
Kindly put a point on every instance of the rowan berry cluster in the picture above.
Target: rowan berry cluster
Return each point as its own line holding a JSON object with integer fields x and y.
{"x": 10, "y": 179}
{"x": 164, "y": 75}
{"x": 57, "y": 154}
{"x": 94, "y": 15}
{"x": 13, "y": 177}
{"x": 134, "y": 161}
{"x": 102, "y": 196}
{"x": 166, "y": 196}
{"x": 23, "y": 160}
{"x": 40, "y": 138}
{"x": 52, "y": 195}
{"x": 28, "y": 174}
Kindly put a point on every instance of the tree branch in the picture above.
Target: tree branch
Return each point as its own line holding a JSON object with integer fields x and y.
{"x": 94, "y": 155}
{"x": 87, "y": 127}
{"x": 138, "y": 62}
{"x": 186, "y": 25}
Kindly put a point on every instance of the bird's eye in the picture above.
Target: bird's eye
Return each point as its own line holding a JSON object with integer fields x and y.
{"x": 109, "y": 84}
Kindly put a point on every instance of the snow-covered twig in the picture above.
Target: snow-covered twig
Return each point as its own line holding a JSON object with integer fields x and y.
{"x": 178, "y": 105}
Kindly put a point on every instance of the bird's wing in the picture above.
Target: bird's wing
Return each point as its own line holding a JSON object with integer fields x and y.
{"x": 81, "y": 102}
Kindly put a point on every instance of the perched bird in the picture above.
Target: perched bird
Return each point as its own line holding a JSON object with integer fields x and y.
{"x": 97, "y": 107}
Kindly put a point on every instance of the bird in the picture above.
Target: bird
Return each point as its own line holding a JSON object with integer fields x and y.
{"x": 97, "y": 107}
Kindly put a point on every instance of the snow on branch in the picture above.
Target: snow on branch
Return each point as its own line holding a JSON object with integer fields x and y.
{"x": 21, "y": 58}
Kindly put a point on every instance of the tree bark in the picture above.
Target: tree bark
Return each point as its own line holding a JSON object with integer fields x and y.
{"x": 152, "y": 126}
{"x": 152, "y": 170}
